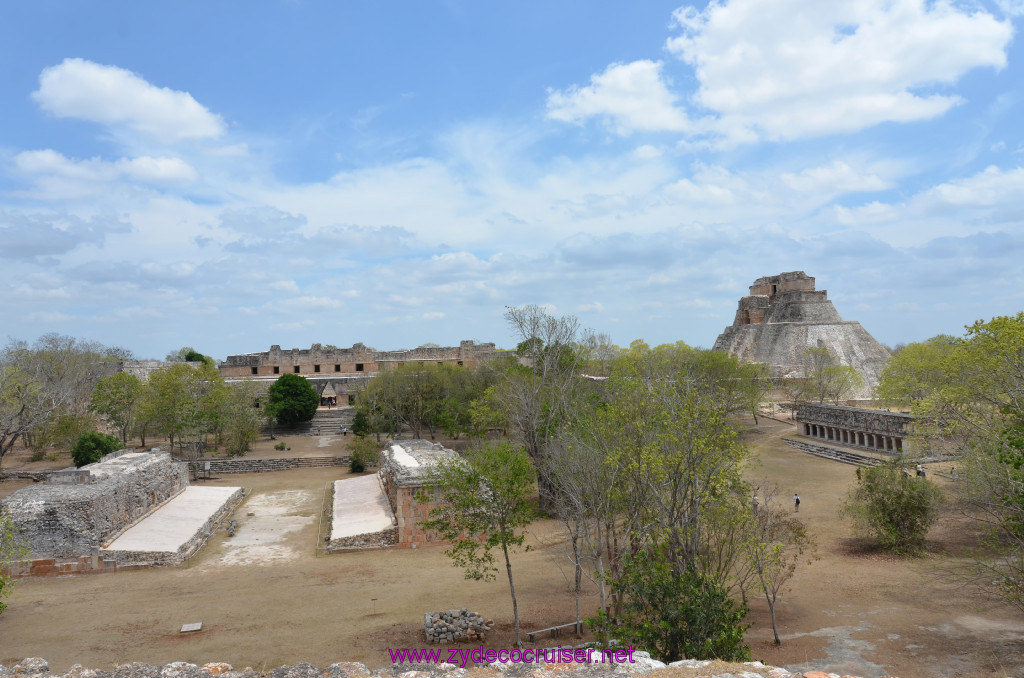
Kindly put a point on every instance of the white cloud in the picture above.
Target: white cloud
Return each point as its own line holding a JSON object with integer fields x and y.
{"x": 157, "y": 170}
{"x": 837, "y": 177}
{"x": 632, "y": 96}
{"x": 1012, "y": 7}
{"x": 788, "y": 69}
{"x": 958, "y": 207}
{"x": 118, "y": 98}
{"x": 988, "y": 188}
{"x": 67, "y": 177}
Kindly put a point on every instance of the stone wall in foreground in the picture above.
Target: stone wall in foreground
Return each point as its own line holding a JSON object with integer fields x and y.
{"x": 644, "y": 665}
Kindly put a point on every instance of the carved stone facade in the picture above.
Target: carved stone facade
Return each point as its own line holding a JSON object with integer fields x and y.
{"x": 877, "y": 430}
{"x": 340, "y": 372}
{"x": 783, "y": 316}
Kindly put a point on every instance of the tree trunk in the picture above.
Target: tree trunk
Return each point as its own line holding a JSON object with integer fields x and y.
{"x": 512, "y": 589}
{"x": 771, "y": 609}
{"x": 579, "y": 573}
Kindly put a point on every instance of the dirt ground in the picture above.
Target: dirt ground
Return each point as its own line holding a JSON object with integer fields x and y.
{"x": 266, "y": 599}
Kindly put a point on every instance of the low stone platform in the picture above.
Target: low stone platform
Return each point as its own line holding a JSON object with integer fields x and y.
{"x": 176, "y": 529}
{"x": 361, "y": 516}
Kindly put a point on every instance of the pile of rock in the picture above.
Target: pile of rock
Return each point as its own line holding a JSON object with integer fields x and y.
{"x": 452, "y": 625}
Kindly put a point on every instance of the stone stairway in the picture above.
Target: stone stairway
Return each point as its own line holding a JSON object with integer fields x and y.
{"x": 328, "y": 422}
{"x": 834, "y": 453}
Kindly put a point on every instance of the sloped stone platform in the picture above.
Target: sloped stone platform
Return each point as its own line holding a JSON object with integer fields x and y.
{"x": 175, "y": 530}
{"x": 361, "y": 515}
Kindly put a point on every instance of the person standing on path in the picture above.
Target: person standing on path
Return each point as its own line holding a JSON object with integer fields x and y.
{"x": 796, "y": 502}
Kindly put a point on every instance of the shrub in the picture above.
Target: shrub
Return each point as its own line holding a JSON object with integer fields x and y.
{"x": 894, "y": 508}
{"x": 676, "y": 615}
{"x": 280, "y": 446}
{"x": 91, "y": 447}
{"x": 364, "y": 454}
{"x": 361, "y": 424}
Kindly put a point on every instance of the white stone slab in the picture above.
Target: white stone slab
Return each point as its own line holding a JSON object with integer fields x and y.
{"x": 403, "y": 457}
{"x": 189, "y": 628}
{"x": 172, "y": 525}
{"x": 360, "y": 507}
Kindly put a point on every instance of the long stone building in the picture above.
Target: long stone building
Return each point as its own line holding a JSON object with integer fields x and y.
{"x": 783, "y": 316}
{"x": 339, "y": 372}
{"x": 878, "y": 430}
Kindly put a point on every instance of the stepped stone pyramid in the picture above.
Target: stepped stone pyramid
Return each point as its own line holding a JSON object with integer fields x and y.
{"x": 784, "y": 315}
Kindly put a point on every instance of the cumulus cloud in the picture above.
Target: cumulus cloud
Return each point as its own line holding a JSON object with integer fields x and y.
{"x": 118, "y": 98}
{"x": 788, "y": 69}
{"x": 632, "y": 97}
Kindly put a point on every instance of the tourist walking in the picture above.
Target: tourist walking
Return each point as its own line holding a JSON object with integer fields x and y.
{"x": 796, "y": 502}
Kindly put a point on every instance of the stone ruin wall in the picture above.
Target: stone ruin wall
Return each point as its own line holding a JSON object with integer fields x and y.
{"x": 359, "y": 359}
{"x": 792, "y": 281}
{"x": 77, "y": 512}
{"x": 402, "y": 484}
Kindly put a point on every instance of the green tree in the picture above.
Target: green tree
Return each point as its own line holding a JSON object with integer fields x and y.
{"x": 542, "y": 391}
{"x": 117, "y": 398}
{"x": 50, "y": 378}
{"x": 677, "y": 615}
{"x": 826, "y": 379}
{"x": 916, "y": 371}
{"x": 653, "y": 461}
{"x": 292, "y": 399}
{"x": 364, "y": 453}
{"x": 187, "y": 354}
{"x": 483, "y": 506}
{"x": 188, "y": 404}
{"x": 774, "y": 549}
{"x": 894, "y": 508}
{"x": 967, "y": 395}
{"x": 91, "y": 447}
{"x": 13, "y": 549}
{"x": 240, "y": 426}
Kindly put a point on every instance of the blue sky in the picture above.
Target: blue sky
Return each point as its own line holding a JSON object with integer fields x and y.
{"x": 234, "y": 175}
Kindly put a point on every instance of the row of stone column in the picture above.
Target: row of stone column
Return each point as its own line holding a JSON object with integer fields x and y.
{"x": 873, "y": 441}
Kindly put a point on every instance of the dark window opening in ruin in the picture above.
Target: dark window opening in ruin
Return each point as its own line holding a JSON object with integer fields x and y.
{"x": 337, "y": 368}
{"x": 359, "y": 367}
{"x": 277, "y": 370}
{"x": 256, "y": 404}
{"x": 746, "y": 318}
{"x": 296, "y": 369}
{"x": 460, "y": 363}
{"x": 316, "y": 368}
{"x": 255, "y": 370}
{"x": 774, "y": 288}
